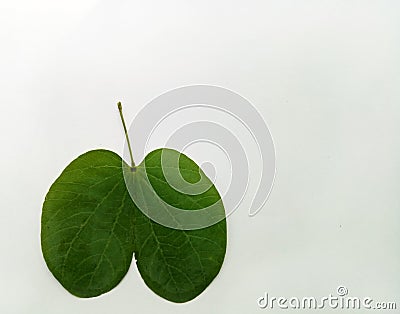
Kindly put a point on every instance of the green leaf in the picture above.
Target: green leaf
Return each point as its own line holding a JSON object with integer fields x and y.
{"x": 175, "y": 224}
{"x": 87, "y": 225}
{"x": 176, "y": 264}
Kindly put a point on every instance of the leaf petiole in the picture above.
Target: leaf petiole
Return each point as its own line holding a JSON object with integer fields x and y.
{"x": 126, "y": 134}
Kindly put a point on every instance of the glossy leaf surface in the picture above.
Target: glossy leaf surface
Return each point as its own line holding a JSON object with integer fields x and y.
{"x": 177, "y": 264}
{"x": 87, "y": 225}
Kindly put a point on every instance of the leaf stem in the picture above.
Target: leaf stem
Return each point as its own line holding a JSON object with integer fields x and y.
{"x": 126, "y": 134}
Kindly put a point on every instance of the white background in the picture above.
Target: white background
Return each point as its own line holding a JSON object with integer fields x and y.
{"x": 325, "y": 75}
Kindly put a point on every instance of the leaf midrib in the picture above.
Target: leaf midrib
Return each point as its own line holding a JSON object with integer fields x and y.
{"x": 83, "y": 226}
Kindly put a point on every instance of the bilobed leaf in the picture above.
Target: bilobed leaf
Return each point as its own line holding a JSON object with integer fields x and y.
{"x": 100, "y": 211}
{"x": 177, "y": 264}
{"x": 87, "y": 225}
